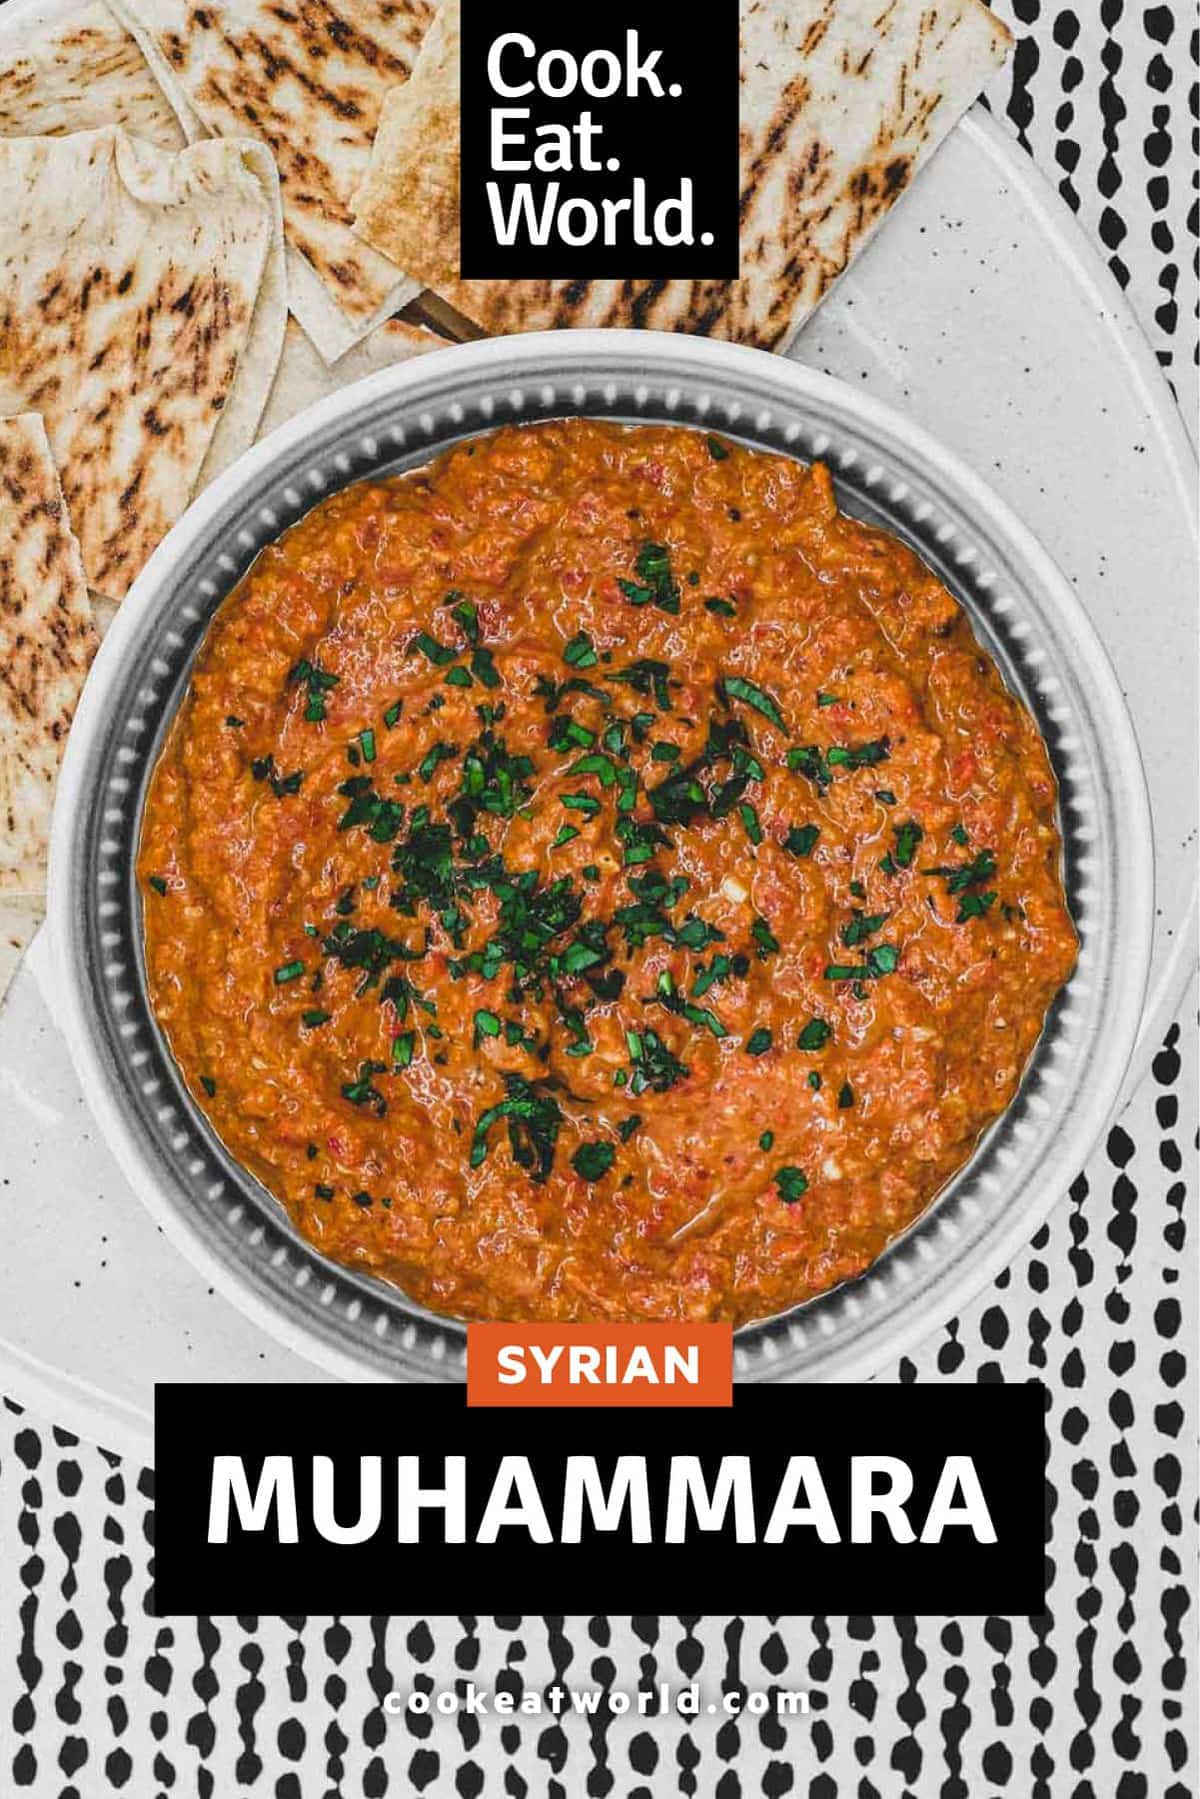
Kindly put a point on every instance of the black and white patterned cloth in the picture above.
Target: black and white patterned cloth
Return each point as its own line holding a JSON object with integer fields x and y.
{"x": 1091, "y": 1701}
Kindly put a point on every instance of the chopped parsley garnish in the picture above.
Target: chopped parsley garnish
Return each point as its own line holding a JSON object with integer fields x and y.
{"x": 580, "y": 652}
{"x": 402, "y": 1049}
{"x": 317, "y": 682}
{"x": 314, "y": 1019}
{"x": 646, "y": 676}
{"x": 907, "y": 836}
{"x": 738, "y": 688}
{"x": 885, "y": 796}
{"x": 974, "y": 905}
{"x": 234, "y": 723}
{"x": 290, "y": 971}
{"x": 862, "y": 926}
{"x": 716, "y": 449}
{"x": 263, "y": 769}
{"x": 437, "y": 653}
{"x": 209, "y": 1085}
{"x": 845, "y": 1097}
{"x": 767, "y": 1141}
{"x": 392, "y": 715}
{"x": 653, "y": 1064}
{"x": 654, "y": 584}
{"x": 380, "y": 818}
{"x": 768, "y": 943}
{"x": 969, "y": 874}
{"x": 483, "y": 667}
{"x": 592, "y": 1161}
{"x": 722, "y": 608}
{"x": 628, "y": 1126}
{"x": 861, "y": 755}
{"x": 667, "y": 994}
{"x": 158, "y": 884}
{"x": 879, "y": 961}
{"x": 366, "y": 743}
{"x": 959, "y": 834}
{"x": 807, "y": 760}
{"x": 534, "y": 1120}
{"x": 827, "y": 699}
{"x": 815, "y": 1035}
{"x": 465, "y": 614}
{"x": 361, "y": 1092}
{"x": 749, "y": 818}
{"x": 792, "y": 1184}
{"x": 801, "y": 839}
{"x": 486, "y": 1025}
{"x": 759, "y": 1042}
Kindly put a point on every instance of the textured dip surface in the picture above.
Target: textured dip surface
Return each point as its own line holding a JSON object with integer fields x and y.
{"x": 594, "y": 878}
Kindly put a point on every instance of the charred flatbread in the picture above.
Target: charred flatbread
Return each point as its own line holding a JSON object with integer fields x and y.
{"x": 66, "y": 67}
{"x": 47, "y": 640}
{"x": 841, "y": 103}
{"x": 308, "y": 81}
{"x": 142, "y": 314}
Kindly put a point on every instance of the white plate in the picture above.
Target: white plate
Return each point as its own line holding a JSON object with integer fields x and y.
{"x": 1050, "y": 394}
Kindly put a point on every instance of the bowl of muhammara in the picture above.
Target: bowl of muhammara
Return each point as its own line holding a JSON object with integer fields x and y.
{"x": 601, "y": 828}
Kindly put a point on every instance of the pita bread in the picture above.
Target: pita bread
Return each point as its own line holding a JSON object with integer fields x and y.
{"x": 141, "y": 312}
{"x": 308, "y": 80}
{"x": 841, "y": 103}
{"x": 73, "y": 68}
{"x": 47, "y": 640}
{"x": 304, "y": 377}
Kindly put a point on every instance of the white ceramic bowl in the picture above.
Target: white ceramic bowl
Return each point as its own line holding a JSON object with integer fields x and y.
{"x": 887, "y": 472}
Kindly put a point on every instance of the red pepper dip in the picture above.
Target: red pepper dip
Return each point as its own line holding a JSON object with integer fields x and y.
{"x": 594, "y": 878}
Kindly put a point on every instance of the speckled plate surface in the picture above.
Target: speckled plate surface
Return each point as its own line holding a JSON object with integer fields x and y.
{"x": 94, "y": 1303}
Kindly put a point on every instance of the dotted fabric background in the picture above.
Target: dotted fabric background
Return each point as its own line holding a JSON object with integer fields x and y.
{"x": 1091, "y": 1701}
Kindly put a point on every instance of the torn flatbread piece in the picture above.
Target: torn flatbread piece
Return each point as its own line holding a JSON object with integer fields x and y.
{"x": 140, "y": 315}
{"x": 307, "y": 80}
{"x": 74, "y": 68}
{"x": 47, "y": 640}
{"x": 842, "y": 101}
{"x": 304, "y": 378}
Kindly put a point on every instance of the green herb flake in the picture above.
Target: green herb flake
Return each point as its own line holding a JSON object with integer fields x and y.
{"x": 766, "y": 1141}
{"x": 429, "y": 647}
{"x": 592, "y": 1161}
{"x": 486, "y": 1025}
{"x": 402, "y": 1049}
{"x": 209, "y": 1085}
{"x": 159, "y": 885}
{"x": 580, "y": 652}
{"x": 815, "y": 1035}
{"x": 738, "y": 688}
{"x": 290, "y": 971}
{"x": 366, "y": 743}
{"x": 759, "y": 1042}
{"x": 317, "y": 683}
{"x": 801, "y": 839}
{"x": 827, "y": 699}
{"x": 791, "y": 1183}
{"x": 654, "y": 585}
{"x": 959, "y": 834}
{"x": 234, "y": 723}
{"x": 845, "y": 1097}
{"x": 483, "y": 667}
{"x": 716, "y": 449}
{"x": 768, "y": 943}
{"x": 314, "y": 1019}
{"x": 392, "y": 715}
{"x": 721, "y": 608}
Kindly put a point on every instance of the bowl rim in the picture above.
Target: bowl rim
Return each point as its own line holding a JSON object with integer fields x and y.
{"x": 530, "y": 356}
